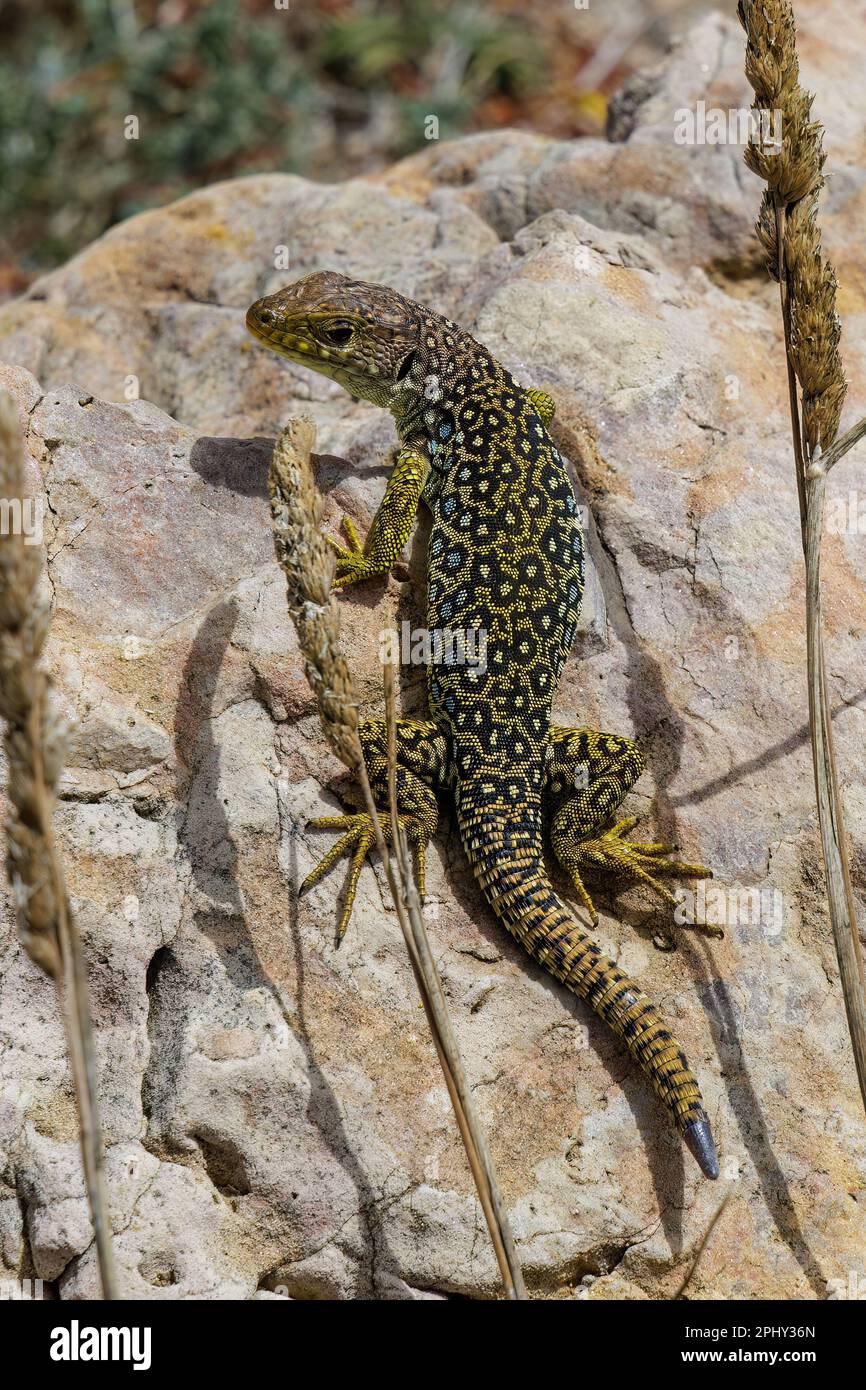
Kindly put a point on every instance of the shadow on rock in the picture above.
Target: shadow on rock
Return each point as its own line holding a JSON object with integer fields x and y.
{"x": 205, "y": 835}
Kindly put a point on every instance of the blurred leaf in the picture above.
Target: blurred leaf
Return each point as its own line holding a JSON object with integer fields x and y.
{"x": 222, "y": 88}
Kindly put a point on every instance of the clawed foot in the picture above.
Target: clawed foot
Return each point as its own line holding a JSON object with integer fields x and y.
{"x": 352, "y": 564}
{"x": 610, "y": 852}
{"x": 357, "y": 840}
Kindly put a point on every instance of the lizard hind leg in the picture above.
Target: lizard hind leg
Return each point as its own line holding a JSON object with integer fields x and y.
{"x": 421, "y": 770}
{"x": 594, "y": 771}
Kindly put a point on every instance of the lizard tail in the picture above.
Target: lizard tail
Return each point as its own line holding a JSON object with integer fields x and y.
{"x": 506, "y": 858}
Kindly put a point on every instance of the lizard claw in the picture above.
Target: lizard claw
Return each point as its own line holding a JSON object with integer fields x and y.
{"x": 352, "y": 563}
{"x": 611, "y": 853}
{"x": 358, "y": 839}
{"x": 349, "y": 558}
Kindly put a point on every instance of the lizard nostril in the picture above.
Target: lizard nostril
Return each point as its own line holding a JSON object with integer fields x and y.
{"x": 266, "y": 316}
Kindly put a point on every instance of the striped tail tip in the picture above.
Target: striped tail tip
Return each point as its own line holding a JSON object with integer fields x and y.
{"x": 699, "y": 1142}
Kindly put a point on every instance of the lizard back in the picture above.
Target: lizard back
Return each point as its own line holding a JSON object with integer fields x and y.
{"x": 505, "y": 579}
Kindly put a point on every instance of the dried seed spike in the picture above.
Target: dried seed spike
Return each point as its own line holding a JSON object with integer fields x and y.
{"x": 34, "y": 751}
{"x": 807, "y": 287}
{"x": 308, "y": 563}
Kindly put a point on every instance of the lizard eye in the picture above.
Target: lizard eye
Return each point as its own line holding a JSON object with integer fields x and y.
{"x": 338, "y": 333}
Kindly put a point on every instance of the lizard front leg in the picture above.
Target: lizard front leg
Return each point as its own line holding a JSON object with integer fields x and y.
{"x": 594, "y": 771}
{"x": 544, "y": 403}
{"x": 392, "y": 524}
{"x": 422, "y": 770}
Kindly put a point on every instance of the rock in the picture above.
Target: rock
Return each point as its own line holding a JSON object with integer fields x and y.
{"x": 276, "y": 1120}
{"x": 108, "y": 734}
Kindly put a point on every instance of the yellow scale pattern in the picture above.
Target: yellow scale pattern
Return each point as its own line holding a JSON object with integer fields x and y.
{"x": 505, "y": 569}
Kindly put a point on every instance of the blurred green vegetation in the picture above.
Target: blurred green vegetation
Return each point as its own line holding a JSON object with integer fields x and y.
{"x": 224, "y": 88}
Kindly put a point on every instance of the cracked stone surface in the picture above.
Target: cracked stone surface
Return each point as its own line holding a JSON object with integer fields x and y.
{"x": 277, "y": 1123}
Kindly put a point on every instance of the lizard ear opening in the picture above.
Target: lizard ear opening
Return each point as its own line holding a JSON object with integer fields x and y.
{"x": 405, "y": 366}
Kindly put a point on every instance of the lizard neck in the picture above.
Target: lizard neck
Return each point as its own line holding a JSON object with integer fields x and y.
{"x": 447, "y": 366}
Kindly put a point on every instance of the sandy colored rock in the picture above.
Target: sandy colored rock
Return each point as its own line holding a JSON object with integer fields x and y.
{"x": 276, "y": 1120}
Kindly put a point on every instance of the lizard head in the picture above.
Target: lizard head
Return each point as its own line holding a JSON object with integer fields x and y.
{"x": 363, "y": 336}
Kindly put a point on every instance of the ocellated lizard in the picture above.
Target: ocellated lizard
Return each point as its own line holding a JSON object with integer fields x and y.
{"x": 505, "y": 560}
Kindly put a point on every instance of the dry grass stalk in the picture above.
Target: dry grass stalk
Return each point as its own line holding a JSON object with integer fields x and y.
{"x": 443, "y": 1034}
{"x": 34, "y": 745}
{"x": 789, "y": 233}
{"x": 308, "y": 563}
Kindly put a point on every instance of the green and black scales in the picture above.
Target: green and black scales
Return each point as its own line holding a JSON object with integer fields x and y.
{"x": 505, "y": 560}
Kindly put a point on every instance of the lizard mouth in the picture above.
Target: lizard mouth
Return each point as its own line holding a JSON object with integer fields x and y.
{"x": 298, "y": 343}
{"x": 265, "y": 328}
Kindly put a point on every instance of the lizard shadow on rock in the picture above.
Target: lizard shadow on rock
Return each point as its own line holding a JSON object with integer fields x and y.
{"x": 722, "y": 1017}
{"x": 756, "y": 1140}
{"x": 206, "y": 837}
{"x": 241, "y": 466}
{"x": 238, "y": 465}
{"x": 659, "y": 728}
{"x": 699, "y": 956}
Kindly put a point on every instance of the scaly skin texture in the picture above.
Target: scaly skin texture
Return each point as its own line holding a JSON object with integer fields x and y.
{"x": 505, "y": 577}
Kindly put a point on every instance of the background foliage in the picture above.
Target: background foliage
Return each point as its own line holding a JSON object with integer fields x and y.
{"x": 222, "y": 87}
